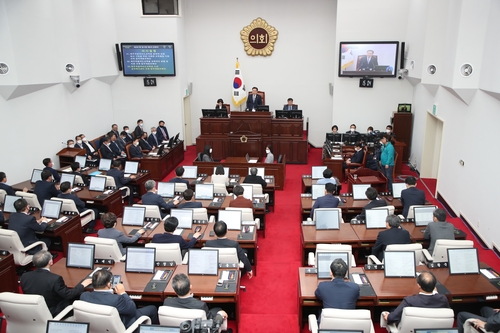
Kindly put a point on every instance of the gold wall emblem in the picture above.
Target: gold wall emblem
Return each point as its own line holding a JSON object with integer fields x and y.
{"x": 243, "y": 139}
{"x": 259, "y": 38}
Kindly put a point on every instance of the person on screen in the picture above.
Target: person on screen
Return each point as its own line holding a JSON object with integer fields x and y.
{"x": 206, "y": 156}
{"x": 411, "y": 195}
{"x": 45, "y": 188}
{"x": 135, "y": 150}
{"x": 240, "y": 201}
{"x": 162, "y": 132}
{"x": 120, "y": 180}
{"x": 6, "y": 187}
{"x": 189, "y": 201}
{"x": 335, "y": 129}
{"x": 70, "y": 143}
{"x": 439, "y": 229}
{"x": 427, "y": 297}
{"x": 118, "y": 298}
{"x": 352, "y": 129}
{"x": 80, "y": 205}
{"x": 185, "y": 300}
{"x": 254, "y": 100}
{"x": 170, "y": 225}
{"x": 372, "y": 195}
{"x": 327, "y": 177}
{"x": 387, "y": 159}
{"x": 92, "y": 153}
{"x": 49, "y": 166}
{"x": 179, "y": 171}
{"x": 128, "y": 136}
{"x": 109, "y": 231}
{"x": 357, "y": 157}
{"x": 328, "y": 200}
{"x": 393, "y": 235}
{"x": 219, "y": 177}
{"x": 138, "y": 129}
{"x": 220, "y": 105}
{"x": 220, "y": 230}
{"x": 143, "y": 142}
{"x": 152, "y": 198}
{"x": 269, "y": 155}
{"x": 289, "y": 105}
{"x": 253, "y": 178}
{"x": 368, "y": 62}
{"x": 153, "y": 138}
{"x": 488, "y": 321}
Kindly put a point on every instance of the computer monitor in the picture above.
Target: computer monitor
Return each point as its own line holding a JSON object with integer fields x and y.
{"x": 36, "y": 175}
{"x": 317, "y": 190}
{"x": 185, "y": 217}
{"x": 81, "y": 159}
{"x": 399, "y": 264}
{"x": 133, "y": 216}
{"x": 329, "y": 137}
{"x": 282, "y": 114}
{"x": 262, "y": 108}
{"x": 97, "y": 183}
{"x": 80, "y": 255}
{"x": 140, "y": 260}
{"x": 170, "y": 142}
{"x": 397, "y": 188}
{"x": 176, "y": 138}
{"x": 247, "y": 191}
{"x": 325, "y": 259}
{"x": 296, "y": 114}
{"x": 358, "y": 191}
{"x": 317, "y": 171}
{"x": 232, "y": 218}
{"x": 423, "y": 215}
{"x": 208, "y": 113}
{"x": 67, "y": 177}
{"x": 131, "y": 167}
{"x": 203, "y": 262}
{"x": 327, "y": 219}
{"x": 463, "y": 261}
{"x": 104, "y": 164}
{"x": 436, "y": 330}
{"x": 8, "y": 203}
{"x": 55, "y": 326}
{"x": 51, "y": 209}
{"x": 158, "y": 329}
{"x": 260, "y": 171}
{"x": 221, "y": 113}
{"x": 351, "y": 137}
{"x": 190, "y": 172}
{"x": 375, "y": 218}
{"x": 226, "y": 171}
{"x": 166, "y": 189}
{"x": 204, "y": 192}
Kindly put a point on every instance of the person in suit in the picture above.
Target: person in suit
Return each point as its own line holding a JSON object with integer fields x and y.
{"x": 75, "y": 170}
{"x": 138, "y": 129}
{"x": 120, "y": 181}
{"x": 219, "y": 177}
{"x": 179, "y": 171}
{"x": 220, "y": 105}
{"x": 269, "y": 155}
{"x": 372, "y": 195}
{"x": 254, "y": 100}
{"x": 26, "y": 226}
{"x": 185, "y": 300}
{"x": 335, "y": 129}
{"x": 412, "y": 195}
{"x": 253, "y": 178}
{"x": 45, "y": 188}
{"x": 289, "y": 105}
{"x": 70, "y": 143}
{"x": 122, "y": 141}
{"x": 106, "y": 151}
{"x": 488, "y": 321}
{"x": 80, "y": 205}
{"x": 393, "y": 235}
{"x": 427, "y": 297}
{"x": 109, "y": 231}
{"x": 357, "y": 157}
{"x": 152, "y": 198}
{"x": 103, "y": 294}
{"x": 352, "y": 129}
{"x": 114, "y": 129}
{"x": 116, "y": 146}
{"x": 189, "y": 201}
{"x": 135, "y": 150}
{"x": 143, "y": 142}
{"x": 153, "y": 138}
{"x": 372, "y": 162}
{"x": 328, "y": 200}
{"x": 387, "y": 159}
{"x": 439, "y": 229}
{"x": 92, "y": 153}
{"x": 220, "y": 230}
{"x": 368, "y": 62}
{"x": 49, "y": 285}
{"x": 128, "y": 136}
{"x": 79, "y": 142}
{"x": 49, "y": 166}
{"x": 169, "y": 226}
{"x": 162, "y": 133}
{"x": 388, "y": 130}
{"x": 327, "y": 177}
{"x": 240, "y": 201}
{"x": 6, "y": 187}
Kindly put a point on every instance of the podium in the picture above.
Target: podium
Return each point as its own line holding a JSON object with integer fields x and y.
{"x": 67, "y": 156}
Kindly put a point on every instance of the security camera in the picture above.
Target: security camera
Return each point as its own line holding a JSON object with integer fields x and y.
{"x": 76, "y": 80}
{"x": 400, "y": 77}
{"x": 402, "y": 73}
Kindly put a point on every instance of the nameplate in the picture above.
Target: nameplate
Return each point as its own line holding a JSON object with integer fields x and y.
{"x": 373, "y": 267}
{"x": 200, "y": 222}
{"x": 202, "y": 175}
{"x": 306, "y": 195}
{"x": 80, "y": 184}
{"x": 437, "y": 264}
{"x": 308, "y": 223}
{"x": 356, "y": 221}
{"x": 346, "y": 195}
{"x": 306, "y": 176}
{"x": 143, "y": 171}
{"x": 311, "y": 271}
{"x": 110, "y": 187}
{"x": 67, "y": 212}
{"x": 4, "y": 253}
{"x": 165, "y": 263}
{"x": 219, "y": 194}
{"x": 269, "y": 177}
{"x": 234, "y": 176}
{"x": 104, "y": 261}
{"x": 234, "y": 265}
{"x": 152, "y": 219}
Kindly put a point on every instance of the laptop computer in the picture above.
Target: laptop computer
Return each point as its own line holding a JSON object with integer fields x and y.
{"x": 358, "y": 191}
{"x": 55, "y": 326}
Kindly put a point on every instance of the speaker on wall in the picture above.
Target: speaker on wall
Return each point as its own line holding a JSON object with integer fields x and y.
{"x": 402, "y": 60}
{"x": 119, "y": 57}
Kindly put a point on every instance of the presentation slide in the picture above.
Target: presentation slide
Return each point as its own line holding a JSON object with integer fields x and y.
{"x": 148, "y": 59}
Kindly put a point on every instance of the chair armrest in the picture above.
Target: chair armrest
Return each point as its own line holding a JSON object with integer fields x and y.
{"x": 257, "y": 223}
{"x": 427, "y": 255}
{"x": 392, "y": 328}
{"x": 211, "y": 219}
{"x": 311, "y": 260}
{"x": 64, "y": 312}
{"x": 185, "y": 260}
{"x": 123, "y": 258}
{"x": 374, "y": 260}
{"x": 383, "y": 322}
{"x": 142, "y": 320}
{"x": 87, "y": 212}
{"x": 313, "y": 323}
{"x": 35, "y": 244}
{"x": 469, "y": 327}
{"x": 309, "y": 219}
{"x": 126, "y": 189}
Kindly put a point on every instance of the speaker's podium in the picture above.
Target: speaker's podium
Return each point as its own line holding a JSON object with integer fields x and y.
{"x": 67, "y": 156}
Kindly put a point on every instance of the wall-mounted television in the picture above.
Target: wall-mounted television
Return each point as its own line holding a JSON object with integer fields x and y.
{"x": 373, "y": 59}
{"x": 148, "y": 59}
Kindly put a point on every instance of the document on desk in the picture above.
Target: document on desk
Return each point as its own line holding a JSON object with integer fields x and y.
{"x": 178, "y": 232}
{"x": 489, "y": 273}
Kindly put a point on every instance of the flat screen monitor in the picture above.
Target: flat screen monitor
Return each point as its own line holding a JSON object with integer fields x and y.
{"x": 170, "y": 142}
{"x": 54, "y": 326}
{"x": 221, "y": 113}
{"x": 80, "y": 255}
{"x": 463, "y": 261}
{"x": 296, "y": 114}
{"x": 148, "y": 59}
{"x": 399, "y": 264}
{"x": 260, "y": 171}
{"x": 327, "y": 219}
{"x": 140, "y": 260}
{"x": 97, "y": 183}
{"x": 166, "y": 189}
{"x": 247, "y": 191}
{"x": 133, "y": 216}
{"x": 176, "y": 138}
{"x": 397, "y": 188}
{"x": 185, "y": 217}
{"x": 51, "y": 209}
{"x": 226, "y": 171}
{"x": 232, "y": 218}
{"x": 325, "y": 259}
{"x": 208, "y": 113}
{"x": 67, "y": 177}
{"x": 423, "y": 215}
{"x": 131, "y": 167}
{"x": 36, "y": 175}
{"x": 104, "y": 164}
{"x": 404, "y": 107}
{"x": 351, "y": 137}
{"x": 358, "y": 191}
{"x": 8, "y": 203}
{"x": 317, "y": 171}
{"x": 318, "y": 190}
{"x": 374, "y": 59}
{"x": 334, "y": 137}
{"x": 203, "y": 262}
{"x": 262, "y": 108}
{"x": 375, "y": 218}
{"x": 190, "y": 172}
{"x": 282, "y": 113}
{"x": 81, "y": 159}
{"x": 158, "y": 329}
{"x": 204, "y": 192}
{"x": 329, "y": 137}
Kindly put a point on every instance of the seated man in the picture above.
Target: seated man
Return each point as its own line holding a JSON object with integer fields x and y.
{"x": 427, "y": 297}
{"x": 117, "y": 298}
{"x": 170, "y": 225}
{"x": 240, "y": 200}
{"x": 79, "y": 142}
{"x": 92, "y": 153}
{"x": 489, "y": 320}
{"x": 80, "y": 205}
{"x": 189, "y": 201}
{"x": 152, "y": 198}
{"x": 114, "y": 130}
{"x": 49, "y": 285}
{"x": 439, "y": 229}
{"x": 393, "y": 235}
{"x": 326, "y": 201}
{"x": 70, "y": 143}
{"x": 122, "y": 140}
{"x": 153, "y": 139}
{"x": 45, "y": 188}
{"x": 75, "y": 170}
{"x": 253, "y": 178}
{"x": 6, "y": 187}
{"x": 143, "y": 142}
{"x": 185, "y": 300}
{"x": 128, "y": 136}
{"x": 179, "y": 171}
{"x": 372, "y": 195}
{"x": 327, "y": 177}
{"x": 49, "y": 166}
{"x": 116, "y": 146}
{"x": 106, "y": 151}
{"x": 109, "y": 231}
{"x": 357, "y": 157}
{"x": 411, "y": 195}
{"x": 289, "y": 105}
{"x": 135, "y": 150}
{"x": 352, "y": 129}
{"x": 120, "y": 181}
{"x": 220, "y": 230}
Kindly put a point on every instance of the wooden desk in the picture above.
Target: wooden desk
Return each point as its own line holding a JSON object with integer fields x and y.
{"x": 335, "y": 164}
{"x": 308, "y": 182}
{"x": 160, "y": 166}
{"x": 366, "y": 176}
{"x": 67, "y": 155}
{"x": 8, "y": 274}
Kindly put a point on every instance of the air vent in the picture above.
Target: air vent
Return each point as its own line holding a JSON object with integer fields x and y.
{"x": 4, "y": 68}
{"x": 431, "y": 69}
{"x": 466, "y": 70}
{"x": 70, "y": 68}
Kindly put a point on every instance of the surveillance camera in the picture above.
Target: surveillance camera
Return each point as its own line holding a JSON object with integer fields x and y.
{"x": 400, "y": 77}
{"x": 76, "y": 80}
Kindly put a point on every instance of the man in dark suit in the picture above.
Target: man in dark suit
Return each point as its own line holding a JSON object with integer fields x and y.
{"x": 92, "y": 153}
{"x": 122, "y": 141}
{"x": 393, "y": 235}
{"x": 368, "y": 62}
{"x": 106, "y": 151}
{"x": 135, "y": 150}
{"x": 220, "y": 230}
{"x": 49, "y": 285}
{"x": 328, "y": 200}
{"x": 254, "y": 100}
{"x": 79, "y": 142}
{"x": 289, "y": 105}
{"x": 75, "y": 170}
{"x": 357, "y": 157}
{"x": 153, "y": 139}
{"x": 103, "y": 294}
{"x": 189, "y": 201}
{"x": 152, "y": 198}
{"x": 162, "y": 132}
{"x": 115, "y": 146}
{"x": 426, "y": 298}
{"x": 45, "y": 188}
{"x": 372, "y": 195}
{"x": 120, "y": 181}
{"x": 412, "y": 195}
{"x": 489, "y": 321}
{"x": 240, "y": 200}
{"x": 352, "y": 129}
{"x": 138, "y": 129}
{"x": 26, "y": 226}
{"x": 48, "y": 166}
{"x": 128, "y": 136}
{"x": 179, "y": 171}
{"x": 439, "y": 229}
{"x": 80, "y": 205}
{"x": 114, "y": 129}
{"x": 170, "y": 225}
{"x": 6, "y": 187}
{"x": 253, "y": 178}
{"x": 144, "y": 142}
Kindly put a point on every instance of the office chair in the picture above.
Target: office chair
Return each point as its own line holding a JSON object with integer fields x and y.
{"x": 152, "y": 211}
{"x": 340, "y": 319}
{"x": 170, "y": 316}
{"x": 311, "y": 258}
{"x": 417, "y": 247}
{"x": 257, "y": 189}
{"x": 180, "y": 187}
{"x": 414, "y": 318}
{"x": 201, "y": 214}
{"x": 220, "y": 188}
{"x": 391, "y": 208}
{"x": 79, "y": 179}
{"x": 105, "y": 248}
{"x": 2, "y": 196}
{"x": 10, "y": 241}
{"x": 469, "y": 327}
{"x": 441, "y": 247}
{"x": 169, "y": 252}
{"x": 69, "y": 205}
{"x": 30, "y": 198}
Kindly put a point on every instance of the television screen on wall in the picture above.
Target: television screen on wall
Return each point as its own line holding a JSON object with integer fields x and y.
{"x": 148, "y": 59}
{"x": 374, "y": 59}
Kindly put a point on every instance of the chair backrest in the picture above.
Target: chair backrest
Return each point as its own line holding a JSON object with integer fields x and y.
{"x": 227, "y": 255}
{"x": 167, "y": 252}
{"x": 257, "y": 188}
{"x": 152, "y": 211}
{"x": 220, "y": 188}
{"x": 442, "y": 245}
{"x": 337, "y": 209}
{"x": 67, "y": 204}
{"x": 280, "y": 158}
{"x": 246, "y": 213}
{"x": 391, "y": 208}
{"x": 2, "y": 195}
{"x": 79, "y": 179}
{"x": 335, "y": 248}
{"x": 417, "y": 247}
{"x": 340, "y": 319}
{"x": 200, "y": 214}
{"x": 110, "y": 181}
{"x": 413, "y": 318}
{"x": 105, "y": 248}
{"x": 180, "y": 187}
{"x": 10, "y": 241}
{"x": 170, "y": 316}
{"x": 102, "y": 318}
{"x": 31, "y": 198}
{"x": 24, "y": 313}
{"x": 411, "y": 211}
